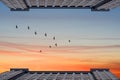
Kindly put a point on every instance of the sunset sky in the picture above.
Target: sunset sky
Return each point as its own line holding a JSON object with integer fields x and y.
{"x": 95, "y": 39}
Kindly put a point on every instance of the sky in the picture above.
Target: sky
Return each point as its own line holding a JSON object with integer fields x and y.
{"x": 95, "y": 39}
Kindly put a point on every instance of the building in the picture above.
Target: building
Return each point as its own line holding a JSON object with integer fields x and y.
{"x": 94, "y": 5}
{"x": 25, "y": 74}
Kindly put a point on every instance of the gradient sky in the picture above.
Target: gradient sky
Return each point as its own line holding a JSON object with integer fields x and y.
{"x": 95, "y": 39}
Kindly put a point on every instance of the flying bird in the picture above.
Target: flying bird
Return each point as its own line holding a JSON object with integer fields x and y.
{"x": 50, "y": 46}
{"x": 45, "y": 34}
{"x": 28, "y": 27}
{"x": 54, "y": 38}
{"x": 40, "y": 51}
{"x": 16, "y": 26}
{"x": 56, "y": 44}
{"x": 35, "y": 33}
{"x": 69, "y": 41}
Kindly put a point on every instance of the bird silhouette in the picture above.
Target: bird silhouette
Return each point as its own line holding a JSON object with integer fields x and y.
{"x": 45, "y": 34}
{"x": 28, "y": 27}
{"x": 35, "y": 33}
{"x": 54, "y": 38}
{"x": 16, "y": 27}
{"x": 69, "y": 41}
{"x": 56, "y": 44}
{"x": 40, "y": 51}
{"x": 50, "y": 46}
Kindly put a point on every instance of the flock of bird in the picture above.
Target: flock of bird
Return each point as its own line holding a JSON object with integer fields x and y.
{"x": 54, "y": 38}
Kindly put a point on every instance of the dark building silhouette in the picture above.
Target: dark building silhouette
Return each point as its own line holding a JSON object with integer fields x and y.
{"x": 95, "y": 5}
{"x": 25, "y": 74}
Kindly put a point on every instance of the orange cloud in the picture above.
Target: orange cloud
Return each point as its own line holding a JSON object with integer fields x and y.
{"x": 61, "y": 58}
{"x": 20, "y": 46}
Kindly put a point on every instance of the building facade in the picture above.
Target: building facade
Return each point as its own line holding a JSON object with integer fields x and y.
{"x": 25, "y": 74}
{"x": 94, "y": 5}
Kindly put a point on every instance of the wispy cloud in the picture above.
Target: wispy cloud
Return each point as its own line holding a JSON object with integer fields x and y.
{"x": 78, "y": 38}
{"x": 67, "y": 49}
{"x": 99, "y": 38}
{"x": 20, "y": 46}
